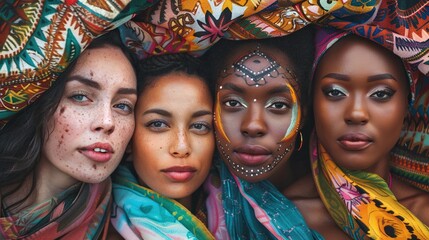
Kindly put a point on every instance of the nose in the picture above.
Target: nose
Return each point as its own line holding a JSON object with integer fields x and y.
{"x": 180, "y": 147}
{"x": 253, "y": 124}
{"x": 357, "y": 111}
{"x": 104, "y": 120}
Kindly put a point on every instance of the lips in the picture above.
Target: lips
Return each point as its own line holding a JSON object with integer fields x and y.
{"x": 179, "y": 173}
{"x": 252, "y": 155}
{"x": 98, "y": 152}
{"x": 355, "y": 141}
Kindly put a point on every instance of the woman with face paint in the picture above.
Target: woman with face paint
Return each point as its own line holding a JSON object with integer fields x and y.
{"x": 360, "y": 95}
{"x": 56, "y": 155}
{"x": 258, "y": 118}
{"x": 160, "y": 197}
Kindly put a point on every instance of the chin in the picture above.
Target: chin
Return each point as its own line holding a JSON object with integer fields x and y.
{"x": 253, "y": 179}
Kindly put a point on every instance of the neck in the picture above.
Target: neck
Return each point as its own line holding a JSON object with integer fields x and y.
{"x": 382, "y": 169}
{"x": 282, "y": 177}
{"x": 48, "y": 181}
{"x": 186, "y": 202}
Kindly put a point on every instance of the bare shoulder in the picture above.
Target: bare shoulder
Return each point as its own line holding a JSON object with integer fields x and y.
{"x": 414, "y": 199}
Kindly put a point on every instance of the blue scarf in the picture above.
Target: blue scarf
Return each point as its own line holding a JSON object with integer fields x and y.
{"x": 260, "y": 211}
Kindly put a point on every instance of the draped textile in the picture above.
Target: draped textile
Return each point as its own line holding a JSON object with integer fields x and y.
{"x": 260, "y": 211}
{"x": 80, "y": 212}
{"x": 361, "y": 203}
{"x": 40, "y": 38}
{"x": 140, "y": 213}
{"x": 193, "y": 26}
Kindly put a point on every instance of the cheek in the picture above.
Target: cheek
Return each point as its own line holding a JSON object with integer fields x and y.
{"x": 204, "y": 147}
{"x": 231, "y": 124}
{"x": 124, "y": 130}
{"x": 64, "y": 128}
{"x": 278, "y": 126}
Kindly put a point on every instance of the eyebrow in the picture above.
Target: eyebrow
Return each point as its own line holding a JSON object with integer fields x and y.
{"x": 201, "y": 113}
{"x": 233, "y": 87}
{"x": 96, "y": 85}
{"x": 158, "y": 111}
{"x": 337, "y": 76}
{"x": 85, "y": 81}
{"x": 127, "y": 91}
{"x": 281, "y": 89}
{"x": 381, "y": 77}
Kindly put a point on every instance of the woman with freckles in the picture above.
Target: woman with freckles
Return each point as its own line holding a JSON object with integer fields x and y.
{"x": 160, "y": 196}
{"x": 360, "y": 99}
{"x": 56, "y": 155}
{"x": 258, "y": 119}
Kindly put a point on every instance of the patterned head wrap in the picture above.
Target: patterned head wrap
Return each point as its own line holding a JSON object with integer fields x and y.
{"x": 39, "y": 39}
{"x": 360, "y": 203}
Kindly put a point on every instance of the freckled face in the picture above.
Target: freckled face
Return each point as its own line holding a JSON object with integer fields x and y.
{"x": 257, "y": 113}
{"x": 94, "y": 120}
{"x": 360, "y": 101}
{"x": 173, "y": 142}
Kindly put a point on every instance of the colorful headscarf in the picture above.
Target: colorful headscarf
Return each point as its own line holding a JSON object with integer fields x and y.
{"x": 360, "y": 203}
{"x": 402, "y": 27}
{"x": 140, "y": 213}
{"x": 193, "y": 26}
{"x": 80, "y": 212}
{"x": 39, "y": 39}
{"x": 259, "y": 210}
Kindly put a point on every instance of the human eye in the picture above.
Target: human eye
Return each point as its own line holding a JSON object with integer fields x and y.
{"x": 382, "y": 94}
{"x": 334, "y": 92}
{"x": 233, "y": 103}
{"x": 201, "y": 128}
{"x": 278, "y": 104}
{"x": 157, "y": 125}
{"x": 125, "y": 107}
{"x": 79, "y": 97}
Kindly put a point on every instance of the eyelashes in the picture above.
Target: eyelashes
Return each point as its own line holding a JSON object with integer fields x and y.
{"x": 377, "y": 94}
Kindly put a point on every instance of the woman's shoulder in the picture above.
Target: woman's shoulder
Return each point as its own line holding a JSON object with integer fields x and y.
{"x": 414, "y": 199}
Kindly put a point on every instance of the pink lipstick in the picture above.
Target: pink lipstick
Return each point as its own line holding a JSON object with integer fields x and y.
{"x": 98, "y": 152}
{"x": 179, "y": 173}
{"x": 252, "y": 155}
{"x": 355, "y": 141}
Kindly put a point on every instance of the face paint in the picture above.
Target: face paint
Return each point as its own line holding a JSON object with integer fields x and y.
{"x": 257, "y": 115}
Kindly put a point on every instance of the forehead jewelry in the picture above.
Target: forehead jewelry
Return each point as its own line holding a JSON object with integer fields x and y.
{"x": 256, "y": 77}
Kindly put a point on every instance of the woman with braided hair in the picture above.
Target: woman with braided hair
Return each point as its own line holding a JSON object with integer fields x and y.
{"x": 158, "y": 193}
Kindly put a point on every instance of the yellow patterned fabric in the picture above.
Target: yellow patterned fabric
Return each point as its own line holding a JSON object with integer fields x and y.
{"x": 361, "y": 203}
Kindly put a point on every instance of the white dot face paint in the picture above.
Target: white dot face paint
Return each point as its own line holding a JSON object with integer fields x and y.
{"x": 257, "y": 114}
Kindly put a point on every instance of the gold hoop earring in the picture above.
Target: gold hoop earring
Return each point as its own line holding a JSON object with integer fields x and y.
{"x": 301, "y": 141}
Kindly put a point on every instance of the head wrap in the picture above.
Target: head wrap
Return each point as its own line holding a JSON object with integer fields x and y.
{"x": 360, "y": 203}
{"x": 39, "y": 39}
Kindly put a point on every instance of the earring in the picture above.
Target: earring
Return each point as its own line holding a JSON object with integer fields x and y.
{"x": 301, "y": 141}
